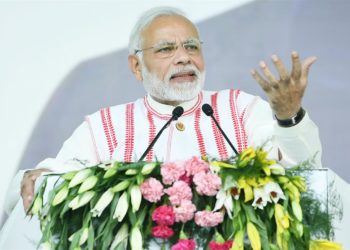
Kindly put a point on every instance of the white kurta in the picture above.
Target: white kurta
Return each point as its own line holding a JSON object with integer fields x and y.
{"x": 123, "y": 132}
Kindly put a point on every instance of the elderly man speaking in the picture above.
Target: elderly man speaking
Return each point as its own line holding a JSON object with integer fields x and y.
{"x": 165, "y": 54}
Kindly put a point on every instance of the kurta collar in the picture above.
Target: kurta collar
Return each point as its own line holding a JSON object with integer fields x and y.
{"x": 165, "y": 111}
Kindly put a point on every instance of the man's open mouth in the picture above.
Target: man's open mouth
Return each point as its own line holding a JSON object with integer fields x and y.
{"x": 184, "y": 76}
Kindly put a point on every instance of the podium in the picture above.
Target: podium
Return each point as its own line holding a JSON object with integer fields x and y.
{"x": 21, "y": 232}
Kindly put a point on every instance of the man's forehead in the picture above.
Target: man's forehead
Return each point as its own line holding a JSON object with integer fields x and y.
{"x": 169, "y": 28}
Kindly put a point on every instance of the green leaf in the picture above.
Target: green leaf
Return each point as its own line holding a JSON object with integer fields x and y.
{"x": 270, "y": 211}
{"x": 76, "y": 239}
{"x": 101, "y": 226}
{"x": 65, "y": 209}
{"x": 132, "y": 217}
{"x": 263, "y": 236}
{"x": 107, "y": 235}
{"x": 63, "y": 243}
{"x": 250, "y": 213}
{"x": 141, "y": 216}
{"x": 113, "y": 205}
{"x": 91, "y": 238}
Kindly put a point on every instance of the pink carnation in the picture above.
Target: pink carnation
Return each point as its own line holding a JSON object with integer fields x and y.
{"x": 184, "y": 245}
{"x": 208, "y": 219}
{"x": 207, "y": 183}
{"x": 179, "y": 192}
{"x": 171, "y": 172}
{"x": 185, "y": 211}
{"x": 162, "y": 231}
{"x": 195, "y": 165}
{"x": 163, "y": 215}
{"x": 187, "y": 179}
{"x": 152, "y": 189}
{"x": 217, "y": 246}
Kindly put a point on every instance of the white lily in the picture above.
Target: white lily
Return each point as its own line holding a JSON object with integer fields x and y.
{"x": 277, "y": 169}
{"x": 37, "y": 206}
{"x": 136, "y": 197}
{"x": 229, "y": 183}
{"x": 111, "y": 171}
{"x": 121, "y": 235}
{"x": 88, "y": 184}
{"x": 260, "y": 198}
{"x": 80, "y": 177}
{"x": 131, "y": 171}
{"x": 235, "y": 192}
{"x": 224, "y": 198}
{"x": 68, "y": 176}
{"x": 60, "y": 196}
{"x": 122, "y": 207}
{"x": 81, "y": 200}
{"x": 121, "y": 186}
{"x": 148, "y": 168}
{"x": 84, "y": 236}
{"x": 136, "y": 239}
{"x": 274, "y": 191}
{"x": 232, "y": 185}
{"x": 102, "y": 203}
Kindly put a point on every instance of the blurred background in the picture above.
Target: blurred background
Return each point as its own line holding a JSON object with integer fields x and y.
{"x": 61, "y": 60}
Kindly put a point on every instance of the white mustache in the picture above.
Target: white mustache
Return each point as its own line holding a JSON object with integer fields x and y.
{"x": 181, "y": 70}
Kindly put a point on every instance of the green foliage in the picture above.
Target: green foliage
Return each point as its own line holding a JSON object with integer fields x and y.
{"x": 64, "y": 225}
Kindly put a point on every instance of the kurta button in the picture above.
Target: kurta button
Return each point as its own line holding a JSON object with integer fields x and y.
{"x": 180, "y": 126}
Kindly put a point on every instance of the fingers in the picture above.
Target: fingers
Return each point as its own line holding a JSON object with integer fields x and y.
{"x": 299, "y": 73}
{"x": 264, "y": 84}
{"x": 307, "y": 65}
{"x": 270, "y": 77}
{"x": 28, "y": 184}
{"x": 27, "y": 189}
{"x": 296, "y": 68}
{"x": 283, "y": 72}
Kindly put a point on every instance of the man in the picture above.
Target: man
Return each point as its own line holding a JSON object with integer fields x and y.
{"x": 165, "y": 53}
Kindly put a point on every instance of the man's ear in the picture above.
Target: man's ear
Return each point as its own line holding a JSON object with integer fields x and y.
{"x": 135, "y": 66}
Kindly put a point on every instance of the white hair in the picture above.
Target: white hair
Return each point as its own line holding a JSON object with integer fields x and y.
{"x": 135, "y": 39}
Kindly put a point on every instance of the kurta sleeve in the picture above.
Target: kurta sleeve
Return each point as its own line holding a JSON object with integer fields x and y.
{"x": 77, "y": 152}
{"x": 296, "y": 144}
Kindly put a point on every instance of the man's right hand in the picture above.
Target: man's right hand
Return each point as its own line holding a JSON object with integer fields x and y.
{"x": 28, "y": 184}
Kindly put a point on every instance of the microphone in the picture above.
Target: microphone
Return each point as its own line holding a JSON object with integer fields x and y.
{"x": 177, "y": 112}
{"x": 208, "y": 110}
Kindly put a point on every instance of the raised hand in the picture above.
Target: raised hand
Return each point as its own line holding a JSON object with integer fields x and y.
{"x": 285, "y": 94}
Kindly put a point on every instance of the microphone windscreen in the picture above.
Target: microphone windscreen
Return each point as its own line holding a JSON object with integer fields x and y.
{"x": 178, "y": 111}
{"x": 207, "y": 109}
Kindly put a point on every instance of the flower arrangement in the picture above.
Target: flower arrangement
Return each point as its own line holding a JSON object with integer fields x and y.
{"x": 245, "y": 202}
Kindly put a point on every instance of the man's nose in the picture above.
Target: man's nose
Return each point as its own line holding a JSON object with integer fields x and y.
{"x": 181, "y": 56}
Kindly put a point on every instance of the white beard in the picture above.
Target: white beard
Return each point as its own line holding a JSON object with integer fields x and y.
{"x": 167, "y": 91}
